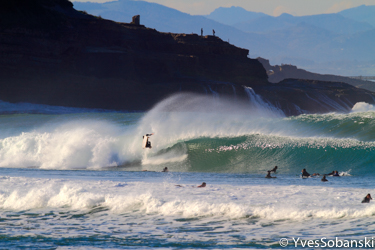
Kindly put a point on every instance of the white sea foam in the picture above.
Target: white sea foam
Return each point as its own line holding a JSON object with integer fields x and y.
{"x": 293, "y": 203}
{"x": 363, "y": 107}
{"x": 151, "y": 205}
{"x": 76, "y": 144}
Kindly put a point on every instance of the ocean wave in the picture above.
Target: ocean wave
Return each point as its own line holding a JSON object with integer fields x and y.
{"x": 265, "y": 202}
{"x": 191, "y": 133}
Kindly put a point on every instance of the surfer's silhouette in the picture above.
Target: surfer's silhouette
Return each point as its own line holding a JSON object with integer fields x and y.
{"x": 367, "y": 199}
{"x": 334, "y": 173}
{"x": 324, "y": 178}
{"x": 304, "y": 173}
{"x": 202, "y": 185}
{"x": 274, "y": 169}
{"x": 146, "y": 141}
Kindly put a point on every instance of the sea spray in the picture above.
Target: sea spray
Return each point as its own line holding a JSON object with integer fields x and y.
{"x": 260, "y": 105}
{"x": 191, "y": 133}
{"x": 363, "y": 107}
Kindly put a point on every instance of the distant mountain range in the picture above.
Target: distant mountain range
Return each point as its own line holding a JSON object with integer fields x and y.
{"x": 340, "y": 43}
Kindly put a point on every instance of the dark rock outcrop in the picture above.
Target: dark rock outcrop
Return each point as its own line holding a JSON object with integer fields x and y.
{"x": 296, "y": 96}
{"x": 53, "y": 54}
{"x": 278, "y": 73}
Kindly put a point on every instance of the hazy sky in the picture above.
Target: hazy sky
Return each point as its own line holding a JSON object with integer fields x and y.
{"x": 270, "y": 7}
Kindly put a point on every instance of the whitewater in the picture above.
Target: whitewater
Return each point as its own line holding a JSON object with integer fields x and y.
{"x": 79, "y": 179}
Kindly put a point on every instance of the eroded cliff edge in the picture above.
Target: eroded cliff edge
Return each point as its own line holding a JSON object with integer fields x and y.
{"x": 53, "y": 54}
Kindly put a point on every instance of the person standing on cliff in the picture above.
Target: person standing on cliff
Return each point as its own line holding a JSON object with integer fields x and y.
{"x": 201, "y": 31}
{"x": 213, "y": 32}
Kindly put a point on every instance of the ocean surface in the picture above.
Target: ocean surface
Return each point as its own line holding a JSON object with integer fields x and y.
{"x": 79, "y": 178}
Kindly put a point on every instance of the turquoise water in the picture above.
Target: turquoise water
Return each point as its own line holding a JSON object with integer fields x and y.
{"x": 79, "y": 179}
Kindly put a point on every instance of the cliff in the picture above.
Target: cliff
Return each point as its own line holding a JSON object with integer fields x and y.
{"x": 278, "y": 73}
{"x": 53, "y": 54}
{"x": 296, "y": 96}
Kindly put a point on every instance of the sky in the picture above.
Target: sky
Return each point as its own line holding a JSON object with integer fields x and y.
{"x": 270, "y": 7}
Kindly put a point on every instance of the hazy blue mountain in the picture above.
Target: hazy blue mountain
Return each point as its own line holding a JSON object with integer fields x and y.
{"x": 332, "y": 22}
{"x": 166, "y": 19}
{"x": 152, "y": 15}
{"x": 233, "y": 15}
{"x": 361, "y": 13}
{"x": 342, "y": 45}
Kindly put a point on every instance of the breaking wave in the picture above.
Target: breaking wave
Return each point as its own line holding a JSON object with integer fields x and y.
{"x": 192, "y": 133}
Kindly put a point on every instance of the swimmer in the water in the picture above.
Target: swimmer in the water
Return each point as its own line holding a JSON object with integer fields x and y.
{"x": 367, "y": 199}
{"x": 165, "y": 169}
{"x": 304, "y": 173}
{"x": 202, "y": 185}
{"x": 334, "y": 173}
{"x": 324, "y": 178}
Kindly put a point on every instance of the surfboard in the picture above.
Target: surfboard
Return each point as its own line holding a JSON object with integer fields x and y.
{"x": 144, "y": 143}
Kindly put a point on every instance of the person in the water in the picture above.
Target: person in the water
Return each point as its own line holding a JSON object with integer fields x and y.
{"x": 324, "y": 178}
{"x": 202, "y": 185}
{"x": 335, "y": 173}
{"x": 165, "y": 169}
{"x": 304, "y": 173}
{"x": 269, "y": 174}
{"x": 274, "y": 169}
{"x": 367, "y": 199}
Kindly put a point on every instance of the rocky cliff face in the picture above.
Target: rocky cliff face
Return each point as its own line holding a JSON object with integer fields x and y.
{"x": 53, "y": 54}
{"x": 279, "y": 73}
{"x": 296, "y": 96}
{"x": 56, "y": 55}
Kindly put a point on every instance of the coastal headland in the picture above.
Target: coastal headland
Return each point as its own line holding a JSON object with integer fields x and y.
{"x": 53, "y": 54}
